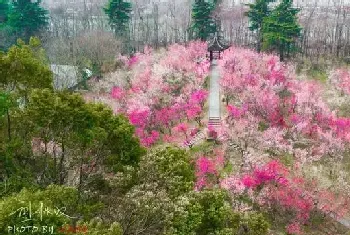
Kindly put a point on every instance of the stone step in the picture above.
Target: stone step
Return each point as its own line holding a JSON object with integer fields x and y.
{"x": 199, "y": 136}
{"x": 214, "y": 122}
{"x": 214, "y": 125}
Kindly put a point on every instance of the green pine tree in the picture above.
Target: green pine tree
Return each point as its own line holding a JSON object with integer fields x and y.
{"x": 256, "y": 14}
{"x": 118, "y": 12}
{"x": 27, "y": 18}
{"x": 7, "y": 37}
{"x": 4, "y": 8}
{"x": 203, "y": 24}
{"x": 281, "y": 29}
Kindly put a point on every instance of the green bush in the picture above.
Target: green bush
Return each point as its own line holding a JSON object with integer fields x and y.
{"x": 51, "y": 207}
{"x": 203, "y": 213}
{"x": 170, "y": 167}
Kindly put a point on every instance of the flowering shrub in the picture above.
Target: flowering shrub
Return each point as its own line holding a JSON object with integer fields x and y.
{"x": 164, "y": 93}
{"x": 205, "y": 167}
{"x": 212, "y": 133}
{"x": 265, "y": 91}
{"x": 341, "y": 79}
{"x": 117, "y": 93}
{"x": 208, "y": 169}
{"x": 272, "y": 113}
{"x": 276, "y": 184}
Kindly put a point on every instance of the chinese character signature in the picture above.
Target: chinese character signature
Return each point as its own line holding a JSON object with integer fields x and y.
{"x": 27, "y": 213}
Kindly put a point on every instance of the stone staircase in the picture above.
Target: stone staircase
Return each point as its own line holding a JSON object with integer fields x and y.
{"x": 214, "y": 121}
{"x": 198, "y": 137}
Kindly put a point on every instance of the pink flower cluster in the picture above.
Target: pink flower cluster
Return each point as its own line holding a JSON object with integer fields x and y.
{"x": 164, "y": 90}
{"x": 237, "y": 112}
{"x": 139, "y": 118}
{"x": 207, "y": 167}
{"x": 148, "y": 139}
{"x": 198, "y": 97}
{"x": 273, "y": 171}
{"x": 117, "y": 93}
{"x": 133, "y": 60}
{"x": 289, "y": 192}
{"x": 263, "y": 92}
{"x": 294, "y": 228}
{"x": 341, "y": 79}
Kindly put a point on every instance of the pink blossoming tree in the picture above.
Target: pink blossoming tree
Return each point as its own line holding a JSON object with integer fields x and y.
{"x": 272, "y": 114}
{"x": 164, "y": 90}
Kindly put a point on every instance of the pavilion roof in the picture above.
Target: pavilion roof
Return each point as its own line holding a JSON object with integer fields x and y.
{"x": 216, "y": 45}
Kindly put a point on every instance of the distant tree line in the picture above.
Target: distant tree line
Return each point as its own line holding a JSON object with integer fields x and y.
{"x": 139, "y": 23}
{"x": 21, "y": 19}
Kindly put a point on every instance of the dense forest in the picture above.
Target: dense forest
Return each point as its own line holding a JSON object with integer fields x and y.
{"x": 205, "y": 117}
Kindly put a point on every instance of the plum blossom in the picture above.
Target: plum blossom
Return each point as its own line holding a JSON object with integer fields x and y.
{"x": 117, "y": 93}
{"x": 294, "y": 229}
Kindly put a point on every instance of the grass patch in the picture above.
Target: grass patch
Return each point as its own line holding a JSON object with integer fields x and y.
{"x": 344, "y": 110}
{"x": 206, "y": 82}
{"x": 203, "y": 148}
{"x": 317, "y": 74}
{"x": 287, "y": 159}
{"x": 227, "y": 170}
{"x": 263, "y": 126}
{"x": 316, "y": 70}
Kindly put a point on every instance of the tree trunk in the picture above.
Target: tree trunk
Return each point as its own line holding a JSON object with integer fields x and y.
{"x": 80, "y": 175}
{"x": 260, "y": 39}
{"x": 281, "y": 49}
{"x": 61, "y": 166}
{"x": 8, "y": 125}
{"x": 55, "y": 163}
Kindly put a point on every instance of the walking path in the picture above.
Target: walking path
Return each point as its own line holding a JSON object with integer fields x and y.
{"x": 214, "y": 92}
{"x": 214, "y": 105}
{"x": 214, "y": 96}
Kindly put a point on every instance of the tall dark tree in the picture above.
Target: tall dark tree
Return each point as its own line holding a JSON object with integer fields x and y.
{"x": 6, "y": 33}
{"x": 4, "y": 8}
{"x": 118, "y": 12}
{"x": 257, "y": 12}
{"x": 281, "y": 29}
{"x": 203, "y": 23}
{"x": 27, "y": 18}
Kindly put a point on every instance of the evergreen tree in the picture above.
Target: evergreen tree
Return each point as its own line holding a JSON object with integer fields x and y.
{"x": 281, "y": 28}
{"x": 118, "y": 12}
{"x": 4, "y": 7}
{"x": 27, "y": 18}
{"x": 257, "y": 12}
{"x": 203, "y": 23}
{"x": 6, "y": 33}
{"x": 24, "y": 68}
